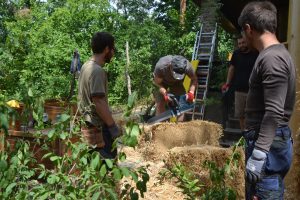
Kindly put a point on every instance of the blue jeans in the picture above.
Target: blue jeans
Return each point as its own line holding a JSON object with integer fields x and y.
{"x": 183, "y": 104}
{"x": 278, "y": 162}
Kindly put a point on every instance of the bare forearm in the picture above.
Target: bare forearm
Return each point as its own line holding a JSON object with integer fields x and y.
{"x": 230, "y": 74}
{"x": 158, "y": 83}
{"x": 194, "y": 83}
{"x": 103, "y": 111}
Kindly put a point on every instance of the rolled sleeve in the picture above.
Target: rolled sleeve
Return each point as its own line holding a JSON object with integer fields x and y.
{"x": 98, "y": 83}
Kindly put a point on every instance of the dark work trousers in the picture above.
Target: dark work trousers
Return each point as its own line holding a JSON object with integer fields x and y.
{"x": 278, "y": 162}
{"x": 107, "y": 152}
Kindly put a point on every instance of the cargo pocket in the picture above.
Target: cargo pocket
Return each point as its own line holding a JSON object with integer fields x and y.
{"x": 279, "y": 157}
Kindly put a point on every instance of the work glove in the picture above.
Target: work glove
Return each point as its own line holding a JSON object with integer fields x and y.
{"x": 114, "y": 131}
{"x": 225, "y": 87}
{"x": 255, "y": 165}
{"x": 190, "y": 97}
{"x": 168, "y": 98}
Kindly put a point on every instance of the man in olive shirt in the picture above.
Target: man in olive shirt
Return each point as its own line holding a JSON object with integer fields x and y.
{"x": 270, "y": 103}
{"x": 100, "y": 129}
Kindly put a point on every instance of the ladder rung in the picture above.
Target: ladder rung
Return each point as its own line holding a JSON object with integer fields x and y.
{"x": 198, "y": 114}
{"x": 201, "y": 86}
{"x": 208, "y": 33}
{"x": 203, "y": 67}
{"x": 199, "y": 100}
{"x": 205, "y": 44}
{"x": 204, "y": 55}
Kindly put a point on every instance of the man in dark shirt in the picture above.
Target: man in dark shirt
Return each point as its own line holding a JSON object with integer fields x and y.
{"x": 270, "y": 103}
{"x": 240, "y": 68}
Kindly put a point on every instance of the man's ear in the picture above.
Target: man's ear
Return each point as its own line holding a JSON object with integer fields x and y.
{"x": 107, "y": 49}
{"x": 247, "y": 28}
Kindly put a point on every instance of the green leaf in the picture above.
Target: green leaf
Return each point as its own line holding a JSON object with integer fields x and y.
{"x": 96, "y": 196}
{"x": 3, "y": 165}
{"x": 35, "y": 116}
{"x": 117, "y": 174}
{"x": 95, "y": 161}
{"x": 109, "y": 163}
{"x": 122, "y": 156}
{"x": 134, "y": 176}
{"x": 64, "y": 118}
{"x": 103, "y": 170}
{"x": 134, "y": 196}
{"x": 3, "y": 121}
{"x": 125, "y": 171}
{"x": 47, "y": 155}
{"x": 131, "y": 100}
{"x": 52, "y": 179}
{"x": 135, "y": 131}
{"x": 30, "y": 94}
{"x": 51, "y": 133}
{"x": 83, "y": 160}
{"x": 54, "y": 158}
{"x": 63, "y": 135}
{"x": 9, "y": 188}
{"x": 44, "y": 196}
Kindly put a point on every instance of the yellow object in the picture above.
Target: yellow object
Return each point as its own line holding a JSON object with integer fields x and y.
{"x": 13, "y": 104}
{"x": 187, "y": 80}
{"x": 173, "y": 119}
{"x": 229, "y": 57}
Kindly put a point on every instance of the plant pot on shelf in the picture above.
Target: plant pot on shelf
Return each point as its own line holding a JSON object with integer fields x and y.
{"x": 54, "y": 108}
{"x": 15, "y": 119}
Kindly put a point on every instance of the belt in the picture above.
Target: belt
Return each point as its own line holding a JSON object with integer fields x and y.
{"x": 282, "y": 132}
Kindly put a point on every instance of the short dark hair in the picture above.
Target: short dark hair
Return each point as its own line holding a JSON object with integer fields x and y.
{"x": 101, "y": 40}
{"x": 239, "y": 36}
{"x": 260, "y": 15}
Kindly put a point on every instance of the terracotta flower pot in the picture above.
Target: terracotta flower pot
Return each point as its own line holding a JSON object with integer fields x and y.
{"x": 15, "y": 122}
{"x": 54, "y": 108}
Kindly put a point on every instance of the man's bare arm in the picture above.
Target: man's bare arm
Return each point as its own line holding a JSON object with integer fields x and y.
{"x": 103, "y": 110}
{"x": 158, "y": 81}
{"x": 230, "y": 74}
{"x": 194, "y": 82}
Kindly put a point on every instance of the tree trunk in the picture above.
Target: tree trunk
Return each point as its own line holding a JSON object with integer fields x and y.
{"x": 126, "y": 70}
{"x": 182, "y": 11}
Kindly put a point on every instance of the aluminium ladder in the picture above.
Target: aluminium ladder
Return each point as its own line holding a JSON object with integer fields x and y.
{"x": 204, "y": 49}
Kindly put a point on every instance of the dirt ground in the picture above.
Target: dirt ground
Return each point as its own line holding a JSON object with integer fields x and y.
{"x": 190, "y": 143}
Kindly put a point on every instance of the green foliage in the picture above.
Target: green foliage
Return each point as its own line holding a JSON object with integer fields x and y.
{"x": 185, "y": 180}
{"x": 78, "y": 174}
{"x": 43, "y": 35}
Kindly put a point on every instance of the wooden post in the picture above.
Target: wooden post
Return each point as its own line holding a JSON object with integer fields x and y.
{"x": 126, "y": 69}
{"x": 182, "y": 11}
